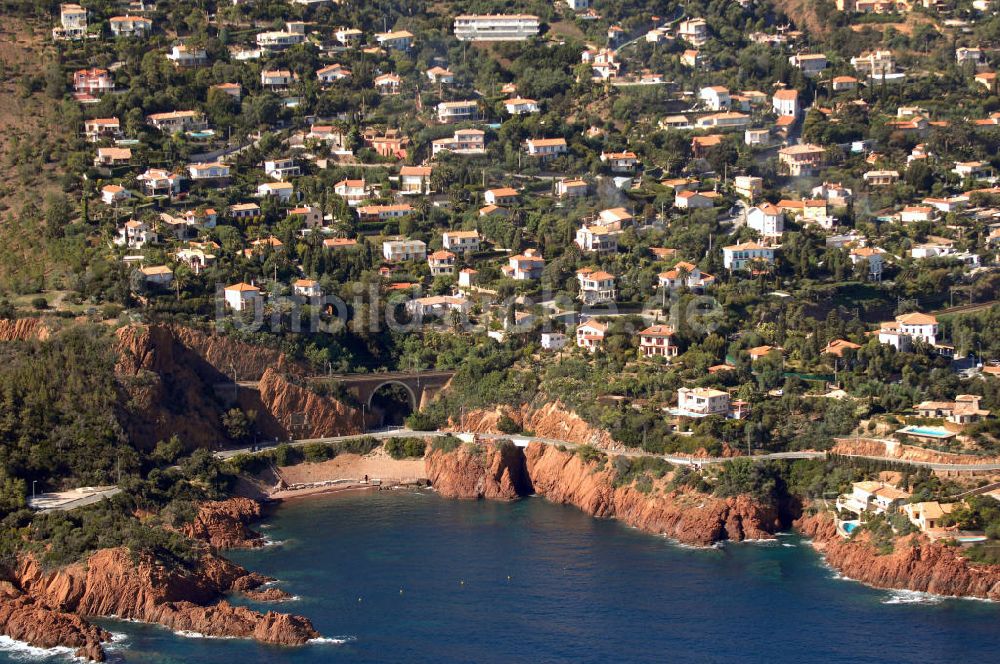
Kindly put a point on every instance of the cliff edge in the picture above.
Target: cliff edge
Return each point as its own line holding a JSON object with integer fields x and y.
{"x": 915, "y": 562}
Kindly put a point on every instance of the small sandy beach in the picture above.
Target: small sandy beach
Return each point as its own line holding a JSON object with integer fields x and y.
{"x": 346, "y": 472}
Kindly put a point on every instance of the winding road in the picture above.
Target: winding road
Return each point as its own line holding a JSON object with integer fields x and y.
{"x": 522, "y": 441}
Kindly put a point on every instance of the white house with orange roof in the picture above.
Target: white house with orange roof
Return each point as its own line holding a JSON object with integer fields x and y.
{"x": 545, "y": 148}
{"x": 571, "y": 188}
{"x": 307, "y": 288}
{"x": 135, "y": 235}
{"x": 590, "y": 335}
{"x": 352, "y": 191}
{"x": 786, "y": 102}
{"x": 100, "y": 128}
{"x": 242, "y": 296}
{"x": 441, "y": 262}
{"x": 701, "y": 402}
{"x": 657, "y": 341}
{"x": 114, "y": 193}
{"x": 767, "y": 219}
{"x": 739, "y": 256}
{"x": 901, "y": 332}
{"x": 596, "y": 286}
{"x": 333, "y": 73}
{"x": 130, "y": 26}
{"x": 692, "y": 200}
{"x": 502, "y": 196}
{"x": 874, "y": 257}
{"x": 620, "y": 162}
{"x": 415, "y": 180}
{"x": 715, "y": 98}
{"x": 598, "y": 239}
{"x": 521, "y": 106}
{"x": 524, "y": 267}
{"x": 461, "y": 241}
{"x": 440, "y": 75}
{"x": 685, "y": 274}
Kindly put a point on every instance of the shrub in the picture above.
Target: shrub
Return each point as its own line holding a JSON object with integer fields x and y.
{"x": 507, "y": 424}
{"x": 317, "y": 452}
{"x": 39, "y": 303}
{"x": 591, "y": 454}
{"x": 405, "y": 448}
{"x": 446, "y": 444}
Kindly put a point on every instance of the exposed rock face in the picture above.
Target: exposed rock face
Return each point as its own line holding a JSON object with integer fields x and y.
{"x": 550, "y": 420}
{"x": 895, "y": 450}
{"x": 473, "y": 472}
{"x": 22, "y": 619}
{"x": 168, "y": 376}
{"x": 283, "y": 401}
{"x": 564, "y": 477}
{"x": 166, "y": 388}
{"x": 111, "y": 583}
{"x": 689, "y": 517}
{"x": 915, "y": 563}
{"x": 23, "y": 329}
{"x": 223, "y": 524}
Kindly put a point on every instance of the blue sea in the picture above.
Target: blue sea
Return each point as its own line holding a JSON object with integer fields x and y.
{"x": 411, "y": 577}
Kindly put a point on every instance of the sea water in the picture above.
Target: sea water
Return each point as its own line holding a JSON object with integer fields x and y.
{"x": 411, "y": 577}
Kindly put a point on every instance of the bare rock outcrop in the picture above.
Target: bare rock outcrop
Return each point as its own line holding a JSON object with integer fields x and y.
{"x": 168, "y": 376}
{"x": 282, "y": 402}
{"x": 24, "y": 620}
{"x": 182, "y": 598}
{"x": 915, "y": 563}
{"x": 223, "y": 524}
{"x": 471, "y": 472}
{"x": 551, "y": 420}
{"x": 23, "y": 329}
{"x": 686, "y": 516}
{"x": 564, "y": 477}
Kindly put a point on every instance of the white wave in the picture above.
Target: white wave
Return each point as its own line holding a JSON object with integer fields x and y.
{"x": 791, "y": 546}
{"x": 334, "y": 640}
{"x": 21, "y": 650}
{"x": 119, "y": 641}
{"x": 268, "y": 542}
{"x": 188, "y": 634}
{"x": 912, "y": 597}
{"x": 765, "y": 541}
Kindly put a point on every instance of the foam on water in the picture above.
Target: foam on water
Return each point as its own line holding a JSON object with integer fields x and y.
{"x": 332, "y": 640}
{"x": 26, "y": 651}
{"x": 912, "y": 597}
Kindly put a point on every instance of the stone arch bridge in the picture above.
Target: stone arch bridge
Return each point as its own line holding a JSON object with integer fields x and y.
{"x": 420, "y": 386}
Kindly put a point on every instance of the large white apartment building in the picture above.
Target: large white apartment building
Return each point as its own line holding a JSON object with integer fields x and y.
{"x": 495, "y": 27}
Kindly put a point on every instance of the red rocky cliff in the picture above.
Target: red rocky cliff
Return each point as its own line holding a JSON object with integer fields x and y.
{"x": 282, "y": 401}
{"x": 223, "y": 524}
{"x": 477, "y": 471}
{"x": 914, "y": 564}
{"x": 111, "y": 583}
{"x": 564, "y": 477}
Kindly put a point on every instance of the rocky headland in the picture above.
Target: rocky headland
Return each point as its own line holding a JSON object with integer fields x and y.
{"x": 915, "y": 562}
{"x": 51, "y": 607}
{"x": 504, "y": 472}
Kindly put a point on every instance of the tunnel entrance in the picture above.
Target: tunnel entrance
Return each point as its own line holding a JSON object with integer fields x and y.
{"x": 391, "y": 403}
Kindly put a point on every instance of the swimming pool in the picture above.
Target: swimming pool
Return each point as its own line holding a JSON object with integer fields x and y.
{"x": 926, "y": 431}
{"x": 849, "y": 527}
{"x": 204, "y": 133}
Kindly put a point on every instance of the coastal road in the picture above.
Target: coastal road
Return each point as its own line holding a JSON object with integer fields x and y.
{"x": 522, "y": 441}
